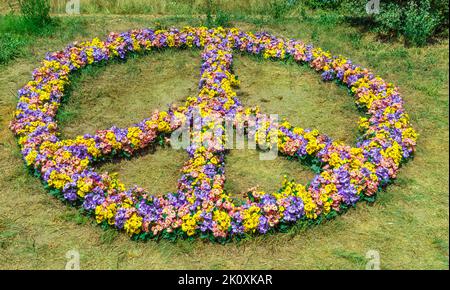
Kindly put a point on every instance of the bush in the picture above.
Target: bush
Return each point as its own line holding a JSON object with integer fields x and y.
{"x": 441, "y": 10}
{"x": 414, "y": 21}
{"x": 419, "y": 23}
{"x": 220, "y": 18}
{"x": 278, "y": 8}
{"x": 17, "y": 24}
{"x": 36, "y": 12}
{"x": 389, "y": 21}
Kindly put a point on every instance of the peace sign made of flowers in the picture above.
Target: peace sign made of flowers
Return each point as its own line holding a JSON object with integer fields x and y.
{"x": 200, "y": 206}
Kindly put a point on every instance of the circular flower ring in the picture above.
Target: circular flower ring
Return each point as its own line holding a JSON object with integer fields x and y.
{"x": 200, "y": 206}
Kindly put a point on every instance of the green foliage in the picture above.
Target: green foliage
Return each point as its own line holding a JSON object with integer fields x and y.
{"x": 36, "y": 12}
{"x": 277, "y": 9}
{"x": 416, "y": 22}
{"x": 75, "y": 217}
{"x": 16, "y": 32}
{"x": 108, "y": 236}
{"x": 216, "y": 17}
{"x": 11, "y": 46}
{"x": 441, "y": 10}
{"x": 356, "y": 259}
{"x": 209, "y": 13}
{"x": 19, "y": 24}
{"x": 222, "y": 19}
{"x": 329, "y": 19}
{"x": 323, "y": 4}
{"x": 390, "y": 20}
{"x": 420, "y": 23}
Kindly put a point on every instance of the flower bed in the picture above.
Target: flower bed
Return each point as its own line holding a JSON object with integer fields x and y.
{"x": 200, "y": 206}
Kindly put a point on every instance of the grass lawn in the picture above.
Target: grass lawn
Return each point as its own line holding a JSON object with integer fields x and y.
{"x": 408, "y": 225}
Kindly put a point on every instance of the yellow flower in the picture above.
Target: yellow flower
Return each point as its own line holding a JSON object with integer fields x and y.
{"x": 251, "y": 218}
{"x": 66, "y": 155}
{"x": 111, "y": 212}
{"x": 189, "y": 224}
{"x": 133, "y": 135}
{"x": 31, "y": 157}
{"x": 100, "y": 213}
{"x": 163, "y": 126}
{"x": 58, "y": 180}
{"x": 335, "y": 160}
{"x": 395, "y": 152}
{"x": 298, "y": 131}
{"x": 363, "y": 123}
{"x": 170, "y": 40}
{"x": 84, "y": 163}
{"x": 410, "y": 133}
{"x": 83, "y": 187}
{"x": 133, "y": 225}
{"x": 214, "y": 160}
{"x": 223, "y": 220}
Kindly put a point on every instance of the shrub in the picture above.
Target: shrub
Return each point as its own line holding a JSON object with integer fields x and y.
{"x": 278, "y": 9}
{"x": 420, "y": 23}
{"x": 389, "y": 21}
{"x": 220, "y": 18}
{"x": 441, "y": 9}
{"x": 36, "y": 12}
{"x": 414, "y": 21}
